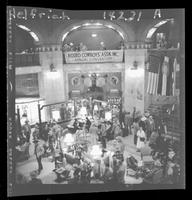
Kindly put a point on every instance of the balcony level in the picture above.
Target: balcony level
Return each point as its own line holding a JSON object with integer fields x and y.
{"x": 27, "y": 59}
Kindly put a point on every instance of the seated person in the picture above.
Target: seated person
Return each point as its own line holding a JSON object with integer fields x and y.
{"x": 118, "y": 156}
{"x": 132, "y": 163}
{"x": 119, "y": 145}
{"x": 82, "y": 47}
{"x": 58, "y": 160}
{"x": 108, "y": 174}
{"x": 77, "y": 173}
{"x": 66, "y": 47}
{"x": 71, "y": 159}
{"x": 62, "y": 173}
{"x": 34, "y": 179}
{"x": 119, "y": 169}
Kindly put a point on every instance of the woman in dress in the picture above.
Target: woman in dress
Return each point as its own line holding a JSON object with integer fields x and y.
{"x": 141, "y": 137}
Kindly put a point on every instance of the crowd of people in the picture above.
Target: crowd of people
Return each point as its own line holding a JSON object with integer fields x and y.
{"x": 146, "y": 131}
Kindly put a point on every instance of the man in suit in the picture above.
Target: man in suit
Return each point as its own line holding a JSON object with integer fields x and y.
{"x": 127, "y": 123}
{"x": 88, "y": 124}
{"x": 27, "y": 129}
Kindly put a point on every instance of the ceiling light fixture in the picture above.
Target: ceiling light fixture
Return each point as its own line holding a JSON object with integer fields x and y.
{"x": 34, "y": 36}
{"x": 94, "y": 35}
{"x": 86, "y": 24}
{"x": 98, "y": 24}
{"x": 75, "y": 27}
{"x": 64, "y": 36}
{"x": 154, "y": 28}
{"x": 160, "y": 23}
{"x": 23, "y": 27}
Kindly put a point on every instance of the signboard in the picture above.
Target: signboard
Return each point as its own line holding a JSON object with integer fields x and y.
{"x": 94, "y": 56}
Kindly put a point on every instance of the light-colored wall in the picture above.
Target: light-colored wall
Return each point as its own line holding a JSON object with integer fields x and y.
{"x": 53, "y": 82}
{"x": 53, "y": 86}
{"x": 134, "y": 80}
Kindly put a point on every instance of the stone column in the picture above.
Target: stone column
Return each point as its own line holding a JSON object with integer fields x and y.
{"x": 134, "y": 80}
{"x": 51, "y": 82}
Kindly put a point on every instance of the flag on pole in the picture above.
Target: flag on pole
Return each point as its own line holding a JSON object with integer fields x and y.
{"x": 160, "y": 77}
{"x": 169, "y": 88}
{"x": 165, "y": 71}
{"x": 174, "y": 76}
{"x": 177, "y": 75}
{"x": 153, "y": 73}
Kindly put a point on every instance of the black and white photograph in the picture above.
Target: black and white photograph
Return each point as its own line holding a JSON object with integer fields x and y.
{"x": 95, "y": 99}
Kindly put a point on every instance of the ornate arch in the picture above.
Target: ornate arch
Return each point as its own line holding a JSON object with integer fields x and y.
{"x": 125, "y": 36}
{"x": 34, "y": 34}
{"x": 150, "y": 30}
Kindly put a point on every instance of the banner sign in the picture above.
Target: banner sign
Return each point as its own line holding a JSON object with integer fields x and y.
{"x": 94, "y": 56}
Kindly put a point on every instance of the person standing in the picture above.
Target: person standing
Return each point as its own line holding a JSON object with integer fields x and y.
{"x": 45, "y": 132}
{"x": 39, "y": 150}
{"x": 135, "y": 128}
{"x": 141, "y": 137}
{"x": 117, "y": 130}
{"x": 152, "y": 124}
{"x": 147, "y": 128}
{"x": 103, "y": 135}
{"x": 88, "y": 124}
{"x": 127, "y": 123}
{"x": 27, "y": 129}
{"x": 99, "y": 133}
{"x": 62, "y": 112}
{"x": 36, "y": 133}
{"x": 118, "y": 168}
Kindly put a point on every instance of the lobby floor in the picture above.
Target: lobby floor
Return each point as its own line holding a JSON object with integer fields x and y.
{"x": 48, "y": 176}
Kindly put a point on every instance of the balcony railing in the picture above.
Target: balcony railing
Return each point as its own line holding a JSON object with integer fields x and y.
{"x": 27, "y": 59}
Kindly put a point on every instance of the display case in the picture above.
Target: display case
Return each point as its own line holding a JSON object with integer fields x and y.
{"x": 28, "y": 109}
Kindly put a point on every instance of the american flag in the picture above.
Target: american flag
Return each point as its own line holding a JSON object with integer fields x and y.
{"x": 153, "y": 74}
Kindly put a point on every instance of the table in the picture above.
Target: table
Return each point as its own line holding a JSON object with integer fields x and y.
{"x": 62, "y": 174}
{"x": 133, "y": 180}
